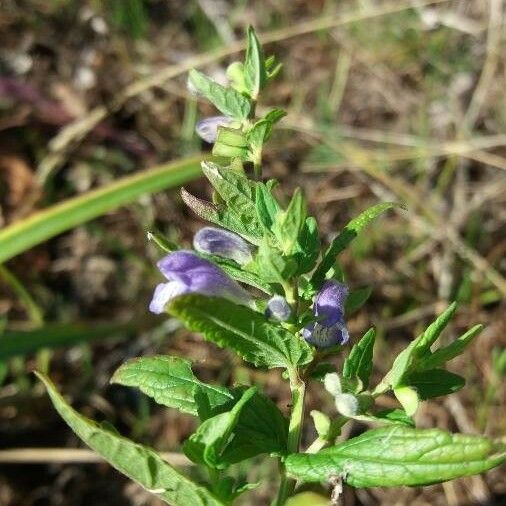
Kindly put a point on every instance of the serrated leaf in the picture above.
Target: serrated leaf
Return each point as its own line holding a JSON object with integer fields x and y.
{"x": 250, "y": 334}
{"x": 350, "y": 231}
{"x": 271, "y": 265}
{"x": 356, "y": 299}
{"x": 266, "y": 205}
{"x": 255, "y": 76}
{"x": 170, "y": 381}
{"x": 443, "y": 355}
{"x": 261, "y": 428}
{"x": 140, "y": 463}
{"x": 359, "y": 363}
{"x": 307, "y": 248}
{"x": 288, "y": 224}
{"x": 395, "y": 456}
{"x": 239, "y": 195}
{"x": 434, "y": 383}
{"x": 208, "y": 442}
{"x": 227, "y": 100}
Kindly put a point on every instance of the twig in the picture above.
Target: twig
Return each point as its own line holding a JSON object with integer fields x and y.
{"x": 70, "y": 456}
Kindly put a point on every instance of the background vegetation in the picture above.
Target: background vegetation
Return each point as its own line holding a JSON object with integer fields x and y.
{"x": 387, "y": 101}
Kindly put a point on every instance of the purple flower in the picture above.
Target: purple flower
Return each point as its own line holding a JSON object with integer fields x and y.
{"x": 330, "y": 327}
{"x": 278, "y": 308}
{"x": 188, "y": 273}
{"x": 216, "y": 241}
{"x": 207, "y": 128}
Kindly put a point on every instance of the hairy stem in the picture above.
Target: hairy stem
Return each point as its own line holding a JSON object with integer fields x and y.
{"x": 298, "y": 388}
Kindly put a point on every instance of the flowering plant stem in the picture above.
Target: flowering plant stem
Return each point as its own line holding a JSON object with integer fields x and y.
{"x": 298, "y": 389}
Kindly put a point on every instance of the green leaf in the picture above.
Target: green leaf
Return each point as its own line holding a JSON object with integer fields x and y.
{"x": 418, "y": 349}
{"x": 266, "y": 205}
{"x": 227, "y": 100}
{"x": 356, "y": 299}
{"x": 434, "y": 383}
{"x": 350, "y": 231}
{"x": 239, "y": 195}
{"x": 271, "y": 265}
{"x": 307, "y": 248}
{"x": 307, "y": 499}
{"x": 321, "y": 423}
{"x": 261, "y": 428}
{"x": 171, "y": 382}
{"x": 43, "y": 225}
{"x": 358, "y": 364}
{"x": 163, "y": 243}
{"x": 395, "y": 456}
{"x": 255, "y": 75}
{"x": 288, "y": 224}
{"x": 395, "y": 415}
{"x": 206, "y": 445}
{"x": 250, "y": 334}
{"x": 443, "y": 355}
{"x": 235, "y": 74}
{"x": 275, "y": 115}
{"x": 235, "y": 271}
{"x": 433, "y": 331}
{"x": 139, "y": 463}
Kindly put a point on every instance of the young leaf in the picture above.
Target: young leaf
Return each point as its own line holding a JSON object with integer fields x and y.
{"x": 396, "y": 455}
{"x": 433, "y": 331}
{"x": 350, "y": 231}
{"x": 288, "y": 224}
{"x": 250, "y": 334}
{"x": 139, "y": 463}
{"x": 395, "y": 415}
{"x": 163, "y": 243}
{"x": 208, "y": 442}
{"x": 239, "y": 195}
{"x": 408, "y": 397}
{"x": 271, "y": 265}
{"x": 255, "y": 76}
{"x": 227, "y": 100}
{"x": 358, "y": 364}
{"x": 434, "y": 383}
{"x": 266, "y": 205}
{"x": 171, "y": 382}
{"x": 443, "y": 355}
{"x": 307, "y": 247}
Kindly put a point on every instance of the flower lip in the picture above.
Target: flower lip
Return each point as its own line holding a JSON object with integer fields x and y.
{"x": 216, "y": 241}
{"x": 189, "y": 273}
{"x": 330, "y": 327}
{"x": 207, "y": 128}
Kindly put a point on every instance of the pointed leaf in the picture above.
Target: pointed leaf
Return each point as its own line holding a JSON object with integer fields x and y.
{"x": 227, "y": 100}
{"x": 356, "y": 299}
{"x": 395, "y": 456}
{"x": 358, "y": 364}
{"x": 171, "y": 382}
{"x": 250, "y": 334}
{"x": 138, "y": 462}
{"x": 255, "y": 76}
{"x": 434, "y": 383}
{"x": 350, "y": 231}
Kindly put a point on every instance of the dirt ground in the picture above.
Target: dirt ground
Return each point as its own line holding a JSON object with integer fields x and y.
{"x": 386, "y": 101}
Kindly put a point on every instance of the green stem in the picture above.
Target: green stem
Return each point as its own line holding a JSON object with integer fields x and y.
{"x": 298, "y": 388}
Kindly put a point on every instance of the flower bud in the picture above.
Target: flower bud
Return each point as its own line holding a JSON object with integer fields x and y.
{"x": 216, "y": 241}
{"x": 207, "y": 128}
{"x": 278, "y": 308}
{"x": 347, "y": 404}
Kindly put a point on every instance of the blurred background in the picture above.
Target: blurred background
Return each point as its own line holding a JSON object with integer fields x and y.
{"x": 401, "y": 100}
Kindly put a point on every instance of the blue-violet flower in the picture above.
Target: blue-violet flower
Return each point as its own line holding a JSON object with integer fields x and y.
{"x": 330, "y": 327}
{"x": 216, "y": 241}
{"x": 188, "y": 273}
